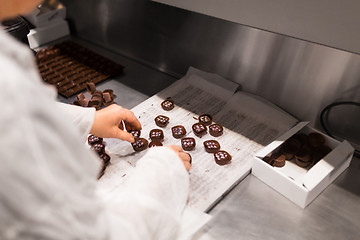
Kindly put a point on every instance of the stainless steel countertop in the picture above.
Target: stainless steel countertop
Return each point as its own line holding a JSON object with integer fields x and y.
{"x": 253, "y": 210}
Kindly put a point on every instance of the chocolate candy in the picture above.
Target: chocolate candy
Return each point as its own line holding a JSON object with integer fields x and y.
{"x": 80, "y": 96}
{"x": 96, "y": 104}
{"x": 90, "y": 87}
{"x": 190, "y": 161}
{"x": 279, "y": 160}
{"x": 155, "y": 144}
{"x": 69, "y": 66}
{"x": 156, "y": 135}
{"x": 97, "y": 94}
{"x": 303, "y": 157}
{"x": 302, "y": 138}
{"x": 81, "y": 102}
{"x": 188, "y": 143}
{"x": 105, "y": 158}
{"x": 205, "y": 119}
{"x": 301, "y": 163}
{"x": 98, "y": 147}
{"x": 222, "y": 157}
{"x": 216, "y": 130}
{"x": 178, "y": 131}
{"x": 140, "y": 144}
{"x": 290, "y": 147}
{"x": 102, "y": 171}
{"x": 92, "y": 139}
{"x": 211, "y": 146}
{"x": 110, "y": 92}
{"x": 269, "y": 160}
{"x": 304, "y": 154}
{"x": 136, "y": 133}
{"x": 161, "y": 121}
{"x": 107, "y": 98}
{"x": 167, "y": 104}
{"x": 320, "y": 152}
{"x": 316, "y": 139}
{"x": 199, "y": 129}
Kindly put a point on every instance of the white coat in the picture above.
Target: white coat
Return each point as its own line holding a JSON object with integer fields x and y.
{"x": 48, "y": 175}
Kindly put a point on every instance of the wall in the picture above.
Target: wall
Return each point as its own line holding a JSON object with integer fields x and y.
{"x": 331, "y": 23}
{"x": 300, "y": 76}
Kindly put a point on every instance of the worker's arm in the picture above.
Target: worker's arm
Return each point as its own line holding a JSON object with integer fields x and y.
{"x": 152, "y": 202}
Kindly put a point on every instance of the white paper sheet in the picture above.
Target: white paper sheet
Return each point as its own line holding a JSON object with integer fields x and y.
{"x": 249, "y": 124}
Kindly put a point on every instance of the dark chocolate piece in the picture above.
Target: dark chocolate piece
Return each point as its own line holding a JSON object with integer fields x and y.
{"x": 97, "y": 98}
{"x": 301, "y": 137}
{"x": 167, "y": 104}
{"x": 291, "y": 147}
{"x": 96, "y": 104}
{"x": 105, "y": 158}
{"x": 211, "y": 146}
{"x": 199, "y": 129}
{"x": 109, "y": 91}
{"x": 205, "y": 119}
{"x": 279, "y": 160}
{"x": 105, "y": 104}
{"x": 216, "y": 130}
{"x": 98, "y": 147}
{"x": 155, "y": 144}
{"x": 178, "y": 131}
{"x": 161, "y": 121}
{"x": 70, "y": 66}
{"x": 301, "y": 163}
{"x": 97, "y": 93}
{"x": 140, "y": 144}
{"x": 92, "y": 139}
{"x": 102, "y": 171}
{"x": 90, "y": 87}
{"x": 190, "y": 161}
{"x": 269, "y": 160}
{"x": 81, "y": 102}
{"x": 222, "y": 157}
{"x": 304, "y": 154}
{"x": 107, "y": 97}
{"x": 188, "y": 143}
{"x": 156, "y": 135}
{"x": 80, "y": 96}
{"x": 136, "y": 133}
{"x": 316, "y": 139}
{"x": 319, "y": 153}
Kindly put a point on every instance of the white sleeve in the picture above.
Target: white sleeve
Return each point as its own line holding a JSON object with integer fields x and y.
{"x": 48, "y": 176}
{"x": 81, "y": 117}
{"x": 152, "y": 202}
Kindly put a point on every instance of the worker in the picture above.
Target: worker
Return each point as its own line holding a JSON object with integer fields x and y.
{"x": 48, "y": 175}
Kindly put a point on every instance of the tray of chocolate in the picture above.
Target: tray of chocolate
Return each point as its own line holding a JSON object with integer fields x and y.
{"x": 70, "y": 66}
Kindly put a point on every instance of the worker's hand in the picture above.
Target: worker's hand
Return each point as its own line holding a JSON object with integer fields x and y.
{"x": 185, "y": 157}
{"x": 108, "y": 123}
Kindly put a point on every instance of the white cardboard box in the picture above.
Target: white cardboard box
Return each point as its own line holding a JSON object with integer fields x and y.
{"x": 298, "y": 184}
{"x": 40, "y": 19}
{"x": 45, "y": 34}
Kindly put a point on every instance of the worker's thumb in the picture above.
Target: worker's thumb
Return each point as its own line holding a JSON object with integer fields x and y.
{"x": 123, "y": 135}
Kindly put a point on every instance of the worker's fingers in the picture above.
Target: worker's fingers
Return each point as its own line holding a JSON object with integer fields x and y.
{"x": 123, "y": 135}
{"x": 130, "y": 120}
{"x": 187, "y": 165}
{"x": 184, "y": 156}
{"x": 176, "y": 148}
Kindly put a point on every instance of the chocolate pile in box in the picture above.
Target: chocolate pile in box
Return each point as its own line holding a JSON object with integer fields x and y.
{"x": 69, "y": 66}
